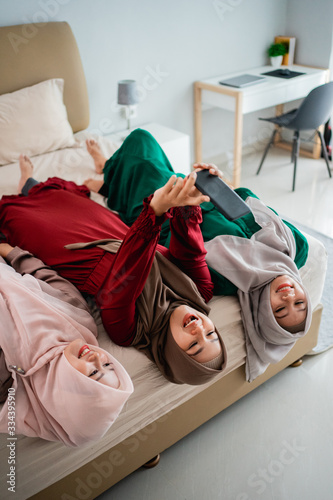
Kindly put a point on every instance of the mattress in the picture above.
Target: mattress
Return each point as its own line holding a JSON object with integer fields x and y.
{"x": 41, "y": 463}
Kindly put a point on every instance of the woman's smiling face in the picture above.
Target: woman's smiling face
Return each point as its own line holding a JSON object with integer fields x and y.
{"x": 288, "y": 301}
{"x": 195, "y": 334}
{"x": 92, "y": 361}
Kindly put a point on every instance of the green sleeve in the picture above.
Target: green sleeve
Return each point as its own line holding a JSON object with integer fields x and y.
{"x": 302, "y": 245}
{"x": 222, "y": 286}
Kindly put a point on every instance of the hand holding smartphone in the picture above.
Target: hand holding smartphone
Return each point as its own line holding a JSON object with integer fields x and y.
{"x": 229, "y": 203}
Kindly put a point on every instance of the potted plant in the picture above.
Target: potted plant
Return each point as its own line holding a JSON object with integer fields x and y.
{"x": 276, "y": 52}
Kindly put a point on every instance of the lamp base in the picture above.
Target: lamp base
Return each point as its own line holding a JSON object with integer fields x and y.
{"x": 129, "y": 112}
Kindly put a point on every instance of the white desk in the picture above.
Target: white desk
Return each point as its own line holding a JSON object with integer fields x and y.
{"x": 273, "y": 91}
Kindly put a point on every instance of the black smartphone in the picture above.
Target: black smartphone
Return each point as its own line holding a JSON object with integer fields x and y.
{"x": 229, "y": 203}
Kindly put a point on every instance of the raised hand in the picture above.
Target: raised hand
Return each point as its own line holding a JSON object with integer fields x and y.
{"x": 177, "y": 192}
{"x": 212, "y": 170}
{"x": 208, "y": 166}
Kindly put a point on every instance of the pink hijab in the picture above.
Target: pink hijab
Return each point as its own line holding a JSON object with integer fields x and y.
{"x": 53, "y": 400}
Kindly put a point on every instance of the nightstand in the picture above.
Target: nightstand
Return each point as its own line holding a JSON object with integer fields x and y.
{"x": 175, "y": 144}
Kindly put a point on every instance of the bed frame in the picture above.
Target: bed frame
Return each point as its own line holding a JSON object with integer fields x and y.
{"x": 136, "y": 450}
{"x": 30, "y": 54}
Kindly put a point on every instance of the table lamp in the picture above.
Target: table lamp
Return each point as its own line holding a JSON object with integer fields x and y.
{"x": 128, "y": 97}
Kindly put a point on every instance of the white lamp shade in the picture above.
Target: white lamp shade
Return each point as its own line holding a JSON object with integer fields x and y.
{"x": 127, "y": 92}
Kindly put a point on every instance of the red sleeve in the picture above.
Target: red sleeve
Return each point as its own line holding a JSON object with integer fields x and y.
{"x": 187, "y": 248}
{"x": 128, "y": 276}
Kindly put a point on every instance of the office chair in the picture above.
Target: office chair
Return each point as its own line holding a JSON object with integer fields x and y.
{"x": 314, "y": 111}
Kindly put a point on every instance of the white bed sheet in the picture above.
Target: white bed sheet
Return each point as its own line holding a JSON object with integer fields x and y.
{"x": 41, "y": 463}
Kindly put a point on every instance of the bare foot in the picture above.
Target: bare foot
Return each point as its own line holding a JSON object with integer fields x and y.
{"x": 95, "y": 151}
{"x": 26, "y": 168}
{"x": 93, "y": 184}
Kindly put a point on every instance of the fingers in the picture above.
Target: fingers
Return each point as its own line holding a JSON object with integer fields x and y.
{"x": 186, "y": 193}
{"x": 177, "y": 192}
{"x": 169, "y": 186}
{"x": 176, "y": 185}
{"x": 213, "y": 169}
{"x": 190, "y": 181}
{"x": 203, "y": 166}
{"x": 202, "y": 198}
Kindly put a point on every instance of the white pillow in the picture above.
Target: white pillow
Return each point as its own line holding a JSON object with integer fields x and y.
{"x": 33, "y": 121}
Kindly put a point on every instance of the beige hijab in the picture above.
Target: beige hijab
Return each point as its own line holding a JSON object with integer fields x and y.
{"x": 52, "y": 399}
{"x": 166, "y": 288}
{"x": 251, "y": 264}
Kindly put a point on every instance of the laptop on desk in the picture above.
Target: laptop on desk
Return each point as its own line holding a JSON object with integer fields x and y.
{"x": 241, "y": 81}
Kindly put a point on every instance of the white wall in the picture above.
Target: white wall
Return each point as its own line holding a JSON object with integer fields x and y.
{"x": 312, "y": 25}
{"x": 166, "y": 46}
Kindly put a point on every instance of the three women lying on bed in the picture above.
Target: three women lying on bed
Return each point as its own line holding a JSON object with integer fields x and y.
{"x": 256, "y": 257}
{"x": 144, "y": 298}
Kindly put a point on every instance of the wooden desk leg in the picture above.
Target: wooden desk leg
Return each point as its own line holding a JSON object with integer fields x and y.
{"x": 316, "y": 150}
{"x": 197, "y": 123}
{"x": 238, "y": 137}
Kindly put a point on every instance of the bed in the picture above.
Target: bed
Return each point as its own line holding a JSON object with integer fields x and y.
{"x": 158, "y": 413}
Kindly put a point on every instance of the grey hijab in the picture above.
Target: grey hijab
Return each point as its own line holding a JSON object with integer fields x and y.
{"x": 251, "y": 265}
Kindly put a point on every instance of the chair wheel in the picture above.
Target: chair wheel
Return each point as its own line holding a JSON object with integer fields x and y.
{"x": 152, "y": 463}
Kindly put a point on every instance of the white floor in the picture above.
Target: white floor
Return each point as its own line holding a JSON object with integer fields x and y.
{"x": 312, "y": 201}
{"x": 277, "y": 442}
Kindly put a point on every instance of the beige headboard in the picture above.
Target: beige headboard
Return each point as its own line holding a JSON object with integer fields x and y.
{"x": 32, "y": 53}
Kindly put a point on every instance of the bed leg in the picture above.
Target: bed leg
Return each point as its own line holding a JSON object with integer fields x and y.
{"x": 296, "y": 363}
{"x": 152, "y": 463}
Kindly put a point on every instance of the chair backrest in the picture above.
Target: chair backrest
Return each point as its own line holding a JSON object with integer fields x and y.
{"x": 315, "y": 110}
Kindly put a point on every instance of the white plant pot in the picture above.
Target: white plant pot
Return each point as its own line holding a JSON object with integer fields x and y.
{"x": 276, "y": 61}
